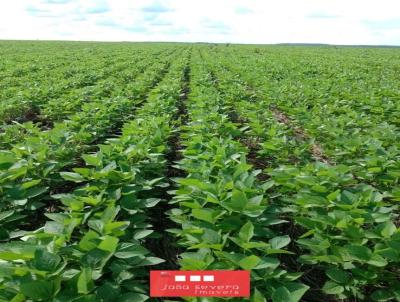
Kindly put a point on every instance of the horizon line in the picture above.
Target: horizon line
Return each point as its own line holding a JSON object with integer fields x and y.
{"x": 204, "y": 42}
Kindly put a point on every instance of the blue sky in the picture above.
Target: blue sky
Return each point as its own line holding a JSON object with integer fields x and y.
{"x": 235, "y": 21}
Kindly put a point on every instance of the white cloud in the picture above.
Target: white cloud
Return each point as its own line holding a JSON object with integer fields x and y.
{"x": 236, "y": 21}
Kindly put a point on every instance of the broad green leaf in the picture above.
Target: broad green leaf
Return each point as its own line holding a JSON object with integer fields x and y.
{"x": 92, "y": 159}
{"x": 75, "y": 177}
{"x": 133, "y": 297}
{"x": 358, "y": 252}
{"x": 279, "y": 242}
{"x": 246, "y": 232}
{"x": 85, "y": 282}
{"x": 348, "y": 197}
{"x": 45, "y": 261}
{"x": 151, "y": 261}
{"x": 338, "y": 275}
{"x": 192, "y": 264}
{"x": 238, "y": 200}
{"x": 332, "y": 288}
{"x": 29, "y": 184}
{"x": 88, "y": 241}
{"x": 204, "y": 214}
{"x": 297, "y": 290}
{"x": 18, "y": 298}
{"x": 281, "y": 294}
{"x": 388, "y": 229}
{"x": 40, "y": 289}
{"x": 377, "y": 260}
{"x": 108, "y": 292}
{"x": 382, "y": 295}
{"x": 109, "y": 244}
{"x": 257, "y": 296}
{"x": 268, "y": 262}
{"x": 142, "y": 234}
{"x": 129, "y": 250}
{"x": 4, "y": 215}
{"x": 250, "y": 262}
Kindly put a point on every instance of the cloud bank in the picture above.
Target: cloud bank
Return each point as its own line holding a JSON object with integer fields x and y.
{"x": 234, "y": 21}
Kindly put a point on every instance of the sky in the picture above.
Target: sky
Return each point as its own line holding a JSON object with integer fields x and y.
{"x": 366, "y": 22}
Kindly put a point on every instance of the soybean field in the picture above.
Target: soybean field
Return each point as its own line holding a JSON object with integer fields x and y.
{"x": 121, "y": 158}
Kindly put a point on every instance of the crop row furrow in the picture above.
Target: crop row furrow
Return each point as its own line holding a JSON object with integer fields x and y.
{"x": 165, "y": 246}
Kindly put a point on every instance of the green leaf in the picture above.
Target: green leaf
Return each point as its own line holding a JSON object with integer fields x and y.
{"x": 338, "y": 275}
{"x": 332, "y": 288}
{"x": 314, "y": 244}
{"x": 92, "y": 159}
{"x": 45, "y": 261}
{"x": 36, "y": 191}
{"x": 348, "y": 197}
{"x": 19, "y": 298}
{"x": 211, "y": 236}
{"x": 389, "y": 228}
{"x": 17, "y": 250}
{"x": 257, "y": 296}
{"x": 382, "y": 295}
{"x": 332, "y": 196}
{"x": 192, "y": 264}
{"x": 279, "y": 242}
{"x": 358, "y": 252}
{"x": 281, "y": 294}
{"x": 268, "y": 262}
{"x": 238, "y": 200}
{"x": 85, "y": 282}
{"x": 204, "y": 214}
{"x": 377, "y": 260}
{"x": 129, "y": 250}
{"x": 40, "y": 289}
{"x": 151, "y": 261}
{"x": 246, "y": 232}
{"x": 196, "y": 183}
{"x": 88, "y": 241}
{"x": 142, "y": 234}
{"x": 7, "y": 159}
{"x": 133, "y": 297}
{"x": 267, "y": 185}
{"x": 29, "y": 184}
{"x": 249, "y": 262}
{"x": 75, "y": 177}
{"x": 87, "y": 298}
{"x": 5, "y": 214}
{"x": 297, "y": 290}
{"x": 109, "y": 244}
{"x": 108, "y": 292}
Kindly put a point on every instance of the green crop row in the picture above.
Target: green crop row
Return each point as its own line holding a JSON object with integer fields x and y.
{"x": 342, "y": 226}
{"x": 67, "y": 107}
{"x": 355, "y": 120}
{"x": 224, "y": 214}
{"x": 30, "y": 169}
{"x": 91, "y": 246}
{"x": 69, "y": 76}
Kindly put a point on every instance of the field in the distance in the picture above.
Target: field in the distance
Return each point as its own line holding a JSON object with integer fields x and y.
{"x": 118, "y": 158}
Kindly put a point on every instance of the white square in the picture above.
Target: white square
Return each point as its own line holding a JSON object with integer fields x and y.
{"x": 180, "y": 278}
{"x": 208, "y": 278}
{"x": 195, "y": 278}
